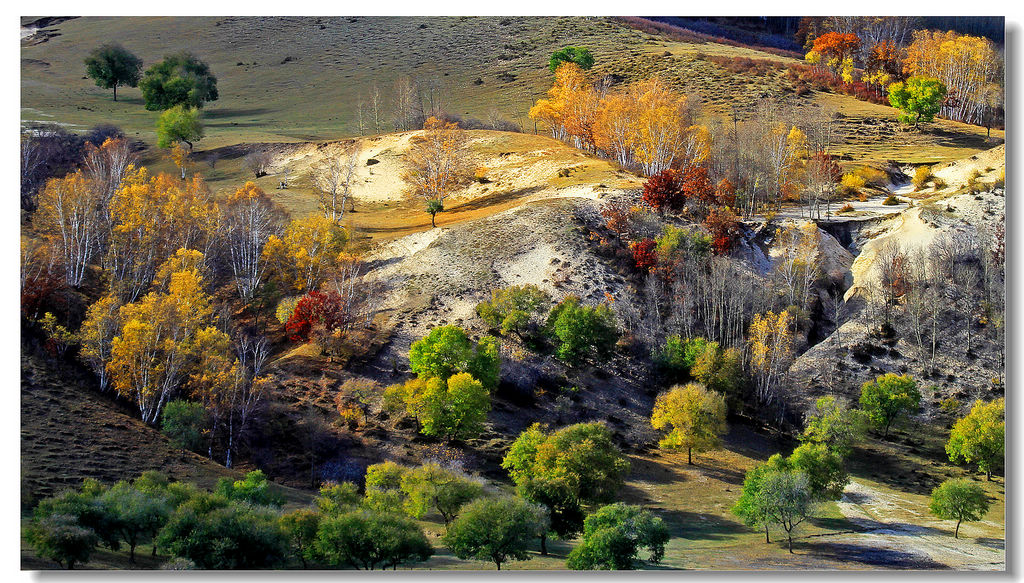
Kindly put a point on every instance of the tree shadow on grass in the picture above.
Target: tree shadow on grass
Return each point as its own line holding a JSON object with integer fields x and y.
{"x": 703, "y": 527}
{"x": 225, "y": 112}
{"x": 869, "y": 556}
{"x": 992, "y": 543}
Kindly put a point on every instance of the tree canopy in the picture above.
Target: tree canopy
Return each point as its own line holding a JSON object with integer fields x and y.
{"x": 111, "y": 65}
{"x": 579, "y": 55}
{"x": 614, "y": 536}
{"x": 979, "y": 437}
{"x": 447, "y": 350}
{"x": 179, "y": 79}
{"x": 959, "y": 500}
{"x": 920, "y": 98}
{"x": 889, "y": 397}
{"x": 497, "y": 529}
{"x": 178, "y": 124}
{"x": 694, "y": 416}
{"x": 367, "y": 539}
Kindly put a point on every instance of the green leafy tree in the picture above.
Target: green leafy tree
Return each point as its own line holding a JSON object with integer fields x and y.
{"x": 749, "y": 507}
{"x": 826, "y": 474}
{"x": 920, "y": 98}
{"x": 366, "y": 539}
{"x": 614, "y": 536}
{"x": 581, "y": 330}
{"x": 678, "y": 355}
{"x": 834, "y": 425}
{"x": 254, "y": 488}
{"x": 579, "y": 55}
{"x": 694, "y": 417}
{"x": 384, "y": 487}
{"x": 512, "y": 309}
{"x": 60, "y": 538}
{"x": 183, "y": 423}
{"x": 215, "y": 533}
{"x": 447, "y": 350}
{"x": 178, "y": 124}
{"x": 575, "y": 466}
{"x": 496, "y": 529}
{"x": 432, "y": 487}
{"x": 456, "y": 409}
{"x": 335, "y": 498}
{"x": 434, "y": 206}
{"x": 86, "y": 508}
{"x": 300, "y": 528}
{"x": 136, "y": 516}
{"x": 112, "y": 65}
{"x": 180, "y": 79}
{"x": 889, "y": 397}
{"x": 959, "y": 500}
{"x": 785, "y": 499}
{"x": 980, "y": 436}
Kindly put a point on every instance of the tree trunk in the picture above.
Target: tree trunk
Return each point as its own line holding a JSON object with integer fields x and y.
{"x": 115, "y": 91}
{"x": 544, "y": 544}
{"x": 131, "y": 554}
{"x": 432, "y": 224}
{"x": 790, "y": 535}
{"x": 956, "y": 533}
{"x": 988, "y": 475}
{"x": 689, "y": 456}
{"x": 767, "y": 538}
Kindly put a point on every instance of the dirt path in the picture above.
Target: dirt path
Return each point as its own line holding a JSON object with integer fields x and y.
{"x": 929, "y": 543}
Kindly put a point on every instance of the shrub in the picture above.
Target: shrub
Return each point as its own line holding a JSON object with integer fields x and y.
{"x": 254, "y": 489}
{"x": 940, "y": 184}
{"x": 1001, "y": 179}
{"x": 678, "y": 244}
{"x": 922, "y": 175}
{"x": 183, "y": 423}
{"x": 512, "y": 309}
{"x": 873, "y": 176}
{"x": 891, "y": 200}
{"x": 725, "y": 227}
{"x": 315, "y": 314}
{"x": 644, "y": 256}
{"x": 581, "y": 330}
{"x": 846, "y": 208}
{"x": 216, "y": 534}
{"x": 850, "y": 184}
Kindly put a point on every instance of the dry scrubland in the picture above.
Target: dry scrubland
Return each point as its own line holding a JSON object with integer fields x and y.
{"x": 288, "y": 86}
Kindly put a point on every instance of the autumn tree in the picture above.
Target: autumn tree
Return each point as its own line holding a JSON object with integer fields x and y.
{"x": 771, "y": 351}
{"x": 152, "y": 217}
{"x": 888, "y": 398}
{"x": 664, "y": 191}
{"x": 301, "y": 259}
{"x": 111, "y": 65}
{"x": 333, "y": 180}
{"x": 180, "y": 79}
{"x": 798, "y": 260}
{"x": 105, "y": 166}
{"x": 495, "y": 529}
{"x": 969, "y": 67}
{"x": 694, "y": 416}
{"x": 836, "y": 51}
{"x": 70, "y": 215}
{"x": 437, "y": 164}
{"x": 150, "y": 356}
{"x": 316, "y": 315}
{"x": 726, "y": 229}
{"x": 250, "y": 217}
{"x": 920, "y": 98}
{"x": 979, "y": 436}
{"x": 101, "y": 324}
{"x": 959, "y": 500}
{"x": 571, "y": 109}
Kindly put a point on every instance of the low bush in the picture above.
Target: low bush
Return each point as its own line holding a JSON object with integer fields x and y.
{"x": 891, "y": 201}
{"x": 922, "y": 175}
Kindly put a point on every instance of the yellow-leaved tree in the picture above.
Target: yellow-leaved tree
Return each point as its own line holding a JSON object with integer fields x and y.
{"x": 694, "y": 417}
{"x": 771, "y": 350}
{"x": 308, "y": 251}
{"x": 155, "y": 346}
{"x": 70, "y": 216}
{"x": 249, "y": 219}
{"x": 102, "y": 323}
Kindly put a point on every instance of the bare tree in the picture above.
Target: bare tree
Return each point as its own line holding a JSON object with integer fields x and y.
{"x": 333, "y": 181}
{"x": 249, "y": 387}
{"x": 249, "y": 218}
{"x": 375, "y": 105}
{"x": 259, "y": 163}
{"x": 407, "y": 109}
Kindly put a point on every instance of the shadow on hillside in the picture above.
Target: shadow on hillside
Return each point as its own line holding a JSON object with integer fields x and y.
{"x": 223, "y": 112}
{"x": 894, "y": 528}
{"x": 482, "y": 202}
{"x": 702, "y": 527}
{"x": 869, "y": 555}
{"x": 992, "y": 543}
{"x": 652, "y": 472}
{"x": 903, "y": 472}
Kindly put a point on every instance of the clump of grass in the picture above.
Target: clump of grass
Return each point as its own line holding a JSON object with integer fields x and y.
{"x": 974, "y": 184}
{"x": 891, "y": 200}
{"x": 922, "y": 176}
{"x": 847, "y": 208}
{"x": 1001, "y": 179}
{"x": 939, "y": 183}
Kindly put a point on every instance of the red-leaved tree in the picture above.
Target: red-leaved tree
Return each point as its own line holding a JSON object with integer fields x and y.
{"x": 644, "y": 255}
{"x": 316, "y": 313}
{"x": 697, "y": 188}
{"x": 664, "y": 191}
{"x": 725, "y": 229}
